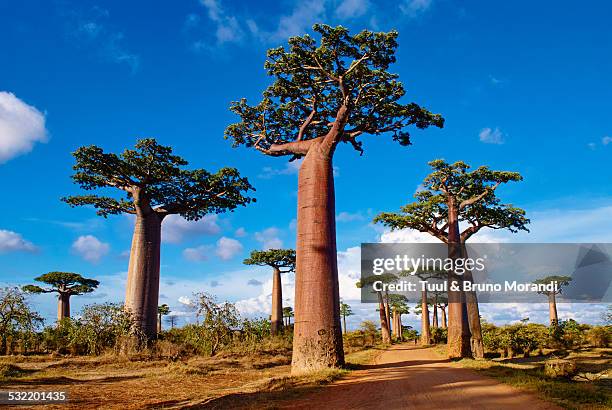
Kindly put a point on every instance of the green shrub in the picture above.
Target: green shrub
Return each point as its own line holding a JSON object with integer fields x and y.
{"x": 599, "y": 336}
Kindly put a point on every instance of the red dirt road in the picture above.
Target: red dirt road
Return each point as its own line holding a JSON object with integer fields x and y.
{"x": 409, "y": 377}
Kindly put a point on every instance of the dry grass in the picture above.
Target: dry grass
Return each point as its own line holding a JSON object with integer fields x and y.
{"x": 110, "y": 381}
{"x": 591, "y": 388}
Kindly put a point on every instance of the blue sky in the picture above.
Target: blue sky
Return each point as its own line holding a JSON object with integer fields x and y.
{"x": 523, "y": 86}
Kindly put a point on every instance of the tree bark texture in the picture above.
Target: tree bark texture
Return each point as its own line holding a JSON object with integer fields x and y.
{"x": 317, "y": 341}
{"x": 276, "y": 322}
{"x": 142, "y": 291}
{"x": 473, "y": 314}
{"x": 63, "y": 305}
{"x": 552, "y": 309}
{"x": 384, "y": 324}
{"x": 425, "y": 329}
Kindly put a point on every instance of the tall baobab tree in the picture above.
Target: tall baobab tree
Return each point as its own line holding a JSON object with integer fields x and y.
{"x": 345, "y": 310}
{"x": 385, "y": 326}
{"x": 153, "y": 184}
{"x": 65, "y": 284}
{"x": 324, "y": 93}
{"x": 552, "y": 295}
{"x": 441, "y": 301}
{"x": 452, "y": 195}
{"x": 281, "y": 261}
{"x": 399, "y": 307}
{"x": 162, "y": 310}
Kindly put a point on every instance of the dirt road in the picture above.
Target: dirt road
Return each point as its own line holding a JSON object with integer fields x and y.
{"x": 407, "y": 377}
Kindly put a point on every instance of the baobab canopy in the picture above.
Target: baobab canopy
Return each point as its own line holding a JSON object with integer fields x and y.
{"x": 313, "y": 80}
{"x": 276, "y": 258}
{"x": 153, "y": 177}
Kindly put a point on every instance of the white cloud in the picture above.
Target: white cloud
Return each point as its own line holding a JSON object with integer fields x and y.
{"x": 13, "y": 242}
{"x": 491, "y": 136}
{"x": 227, "y": 27}
{"x": 348, "y": 9}
{"x": 413, "y": 8}
{"x": 227, "y": 248}
{"x": 198, "y": 253}
{"x": 349, "y": 217}
{"x": 269, "y": 238}
{"x": 240, "y": 232}
{"x": 21, "y": 126}
{"x": 606, "y": 140}
{"x": 291, "y": 168}
{"x": 304, "y": 14}
{"x": 90, "y": 248}
{"x": 175, "y": 228}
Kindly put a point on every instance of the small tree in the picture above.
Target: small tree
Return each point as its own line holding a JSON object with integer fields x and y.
{"x": 385, "y": 326}
{"x": 65, "y": 284}
{"x": 162, "y": 310}
{"x": 16, "y": 316}
{"x": 345, "y": 310}
{"x": 552, "y": 295}
{"x": 281, "y": 261}
{"x": 288, "y": 314}
{"x": 324, "y": 93}
{"x": 154, "y": 185}
{"x": 451, "y": 196}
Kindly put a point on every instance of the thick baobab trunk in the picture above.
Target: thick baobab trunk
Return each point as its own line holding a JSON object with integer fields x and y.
{"x": 459, "y": 344}
{"x": 317, "y": 340}
{"x": 142, "y": 291}
{"x": 384, "y": 324}
{"x": 473, "y": 314}
{"x": 443, "y": 317}
{"x": 276, "y": 322}
{"x": 388, "y": 313}
{"x": 552, "y": 309}
{"x": 63, "y": 305}
{"x": 425, "y": 329}
{"x": 399, "y": 327}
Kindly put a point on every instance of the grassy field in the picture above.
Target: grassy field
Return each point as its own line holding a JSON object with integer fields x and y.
{"x": 120, "y": 382}
{"x": 591, "y": 388}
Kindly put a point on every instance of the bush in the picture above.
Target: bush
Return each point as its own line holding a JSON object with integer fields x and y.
{"x": 599, "y": 336}
{"x": 439, "y": 335}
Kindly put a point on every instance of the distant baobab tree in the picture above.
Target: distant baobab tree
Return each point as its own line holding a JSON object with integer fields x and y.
{"x": 451, "y": 196}
{"x": 281, "y": 261}
{"x": 345, "y": 310}
{"x": 172, "y": 320}
{"x": 154, "y": 184}
{"x": 383, "y": 308}
{"x": 399, "y": 307}
{"x": 552, "y": 295}
{"x": 65, "y": 284}
{"x": 324, "y": 93}
{"x": 162, "y": 310}
{"x": 288, "y": 314}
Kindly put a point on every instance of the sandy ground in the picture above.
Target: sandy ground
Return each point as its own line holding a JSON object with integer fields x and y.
{"x": 410, "y": 377}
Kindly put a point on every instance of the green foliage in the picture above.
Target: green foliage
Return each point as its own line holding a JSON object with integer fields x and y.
{"x": 276, "y": 258}
{"x": 163, "y": 310}
{"x": 472, "y": 193}
{"x": 514, "y": 339}
{"x": 438, "y": 335}
{"x": 153, "y": 178}
{"x": 567, "y": 334}
{"x": 99, "y": 327}
{"x": 599, "y": 336}
{"x": 63, "y": 282}
{"x": 315, "y": 80}
{"x": 345, "y": 309}
{"x": 17, "y": 319}
{"x": 561, "y": 281}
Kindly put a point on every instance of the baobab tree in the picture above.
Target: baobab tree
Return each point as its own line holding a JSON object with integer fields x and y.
{"x": 281, "y": 261}
{"x": 399, "y": 307}
{"x": 65, "y": 284}
{"x": 385, "y": 326}
{"x": 153, "y": 184}
{"x": 451, "y": 196}
{"x": 288, "y": 314}
{"x": 552, "y": 295}
{"x": 172, "y": 320}
{"x": 324, "y": 93}
{"x": 345, "y": 310}
{"x": 162, "y": 310}
{"x": 441, "y": 302}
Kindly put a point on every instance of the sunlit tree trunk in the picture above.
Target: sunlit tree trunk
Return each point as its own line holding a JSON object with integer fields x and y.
{"x": 384, "y": 324}
{"x": 459, "y": 344}
{"x": 63, "y": 305}
{"x": 552, "y": 309}
{"x": 142, "y": 291}
{"x": 473, "y": 313}
{"x": 388, "y": 312}
{"x": 425, "y": 329}
{"x": 434, "y": 314}
{"x": 317, "y": 341}
{"x": 443, "y": 317}
{"x": 276, "y": 323}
